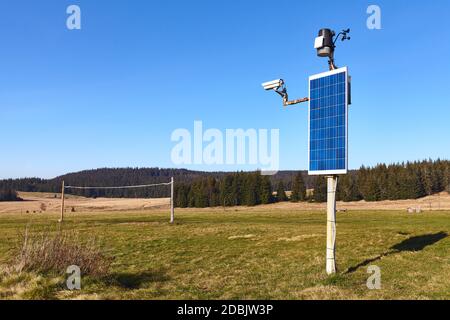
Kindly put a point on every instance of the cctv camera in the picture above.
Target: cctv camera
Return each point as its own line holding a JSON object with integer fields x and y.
{"x": 273, "y": 85}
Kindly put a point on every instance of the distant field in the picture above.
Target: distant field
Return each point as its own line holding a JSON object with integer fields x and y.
{"x": 35, "y": 202}
{"x": 244, "y": 254}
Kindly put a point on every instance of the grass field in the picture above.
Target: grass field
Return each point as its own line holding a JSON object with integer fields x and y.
{"x": 259, "y": 254}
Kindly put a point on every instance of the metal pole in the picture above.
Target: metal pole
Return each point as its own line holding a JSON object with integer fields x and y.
{"x": 62, "y": 202}
{"x": 172, "y": 211}
{"x": 331, "y": 225}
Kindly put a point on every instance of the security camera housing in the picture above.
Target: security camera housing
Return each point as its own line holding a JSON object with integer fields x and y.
{"x": 273, "y": 85}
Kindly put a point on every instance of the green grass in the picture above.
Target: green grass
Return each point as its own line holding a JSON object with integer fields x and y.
{"x": 211, "y": 254}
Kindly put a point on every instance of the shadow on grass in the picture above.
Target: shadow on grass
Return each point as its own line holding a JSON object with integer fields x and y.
{"x": 412, "y": 244}
{"x": 127, "y": 280}
{"x": 420, "y": 242}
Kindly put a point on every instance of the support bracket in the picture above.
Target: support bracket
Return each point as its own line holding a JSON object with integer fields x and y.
{"x": 283, "y": 93}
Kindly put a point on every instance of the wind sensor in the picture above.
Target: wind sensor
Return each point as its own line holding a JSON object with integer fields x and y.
{"x": 325, "y": 44}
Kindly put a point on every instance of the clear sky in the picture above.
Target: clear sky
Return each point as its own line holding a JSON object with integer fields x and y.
{"x": 111, "y": 94}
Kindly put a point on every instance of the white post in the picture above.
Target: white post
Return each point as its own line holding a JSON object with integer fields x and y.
{"x": 61, "y": 219}
{"x": 172, "y": 213}
{"x": 331, "y": 225}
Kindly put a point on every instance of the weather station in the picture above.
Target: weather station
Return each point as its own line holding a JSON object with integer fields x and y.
{"x": 329, "y": 98}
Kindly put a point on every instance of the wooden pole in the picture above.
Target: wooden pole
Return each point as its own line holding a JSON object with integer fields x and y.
{"x": 62, "y": 202}
{"x": 331, "y": 225}
{"x": 172, "y": 211}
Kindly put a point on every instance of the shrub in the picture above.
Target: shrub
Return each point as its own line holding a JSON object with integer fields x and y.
{"x": 9, "y": 195}
{"x": 53, "y": 252}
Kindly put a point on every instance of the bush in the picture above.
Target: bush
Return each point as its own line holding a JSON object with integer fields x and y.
{"x": 9, "y": 195}
{"x": 53, "y": 252}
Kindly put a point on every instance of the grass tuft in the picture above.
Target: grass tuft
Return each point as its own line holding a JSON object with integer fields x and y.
{"x": 53, "y": 252}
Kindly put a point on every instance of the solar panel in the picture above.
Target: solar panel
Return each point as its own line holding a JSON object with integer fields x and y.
{"x": 328, "y": 120}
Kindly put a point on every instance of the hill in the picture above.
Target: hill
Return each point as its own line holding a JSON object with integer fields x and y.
{"x": 126, "y": 176}
{"x": 400, "y": 181}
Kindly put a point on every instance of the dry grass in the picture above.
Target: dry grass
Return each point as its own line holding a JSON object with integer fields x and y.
{"x": 34, "y": 202}
{"x": 52, "y": 252}
{"x": 257, "y": 253}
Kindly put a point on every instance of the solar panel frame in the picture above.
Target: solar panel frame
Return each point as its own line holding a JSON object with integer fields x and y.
{"x": 334, "y": 171}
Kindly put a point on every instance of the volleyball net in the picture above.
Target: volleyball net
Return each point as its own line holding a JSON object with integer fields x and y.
{"x": 69, "y": 187}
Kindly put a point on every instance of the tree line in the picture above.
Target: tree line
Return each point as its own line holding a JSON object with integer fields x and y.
{"x": 410, "y": 180}
{"x": 237, "y": 189}
{"x": 400, "y": 181}
{"x": 234, "y": 189}
{"x": 107, "y": 177}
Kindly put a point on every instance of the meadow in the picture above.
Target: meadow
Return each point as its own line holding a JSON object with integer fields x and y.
{"x": 238, "y": 254}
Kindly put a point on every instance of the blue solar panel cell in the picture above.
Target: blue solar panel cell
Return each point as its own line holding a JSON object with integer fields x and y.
{"x": 328, "y": 123}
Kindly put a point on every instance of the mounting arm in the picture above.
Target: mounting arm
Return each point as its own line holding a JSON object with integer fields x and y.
{"x": 283, "y": 93}
{"x": 296, "y": 101}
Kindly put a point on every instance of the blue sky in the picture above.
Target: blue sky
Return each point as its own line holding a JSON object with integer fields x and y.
{"x": 111, "y": 94}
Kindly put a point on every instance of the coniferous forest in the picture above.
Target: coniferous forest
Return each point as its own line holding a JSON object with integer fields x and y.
{"x": 409, "y": 180}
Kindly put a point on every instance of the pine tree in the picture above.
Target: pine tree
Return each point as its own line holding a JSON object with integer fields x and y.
{"x": 320, "y": 189}
{"x": 298, "y": 188}
{"x": 347, "y": 189}
{"x": 447, "y": 177}
{"x": 227, "y": 186}
{"x": 437, "y": 177}
{"x": 265, "y": 195}
{"x": 251, "y": 190}
{"x": 213, "y": 192}
{"x": 427, "y": 180}
{"x": 237, "y": 189}
{"x": 372, "y": 189}
{"x": 281, "y": 193}
{"x": 201, "y": 197}
{"x": 181, "y": 195}
{"x": 393, "y": 185}
{"x": 191, "y": 198}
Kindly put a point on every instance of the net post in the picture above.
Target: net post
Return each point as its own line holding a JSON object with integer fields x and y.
{"x": 61, "y": 219}
{"x": 331, "y": 225}
{"x": 172, "y": 211}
